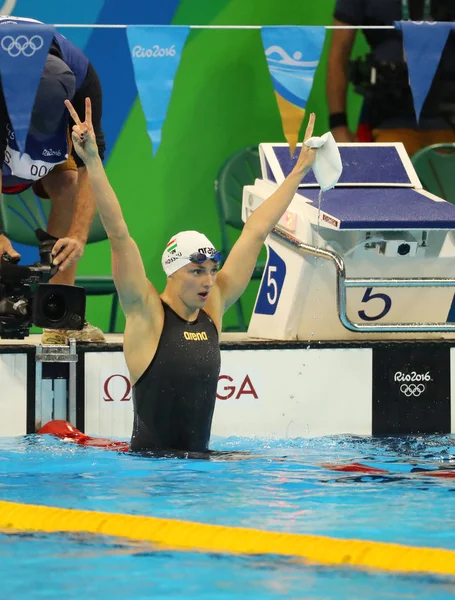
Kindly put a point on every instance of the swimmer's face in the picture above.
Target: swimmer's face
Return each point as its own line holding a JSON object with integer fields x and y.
{"x": 195, "y": 282}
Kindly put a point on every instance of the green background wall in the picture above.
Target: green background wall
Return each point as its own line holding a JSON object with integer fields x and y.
{"x": 222, "y": 101}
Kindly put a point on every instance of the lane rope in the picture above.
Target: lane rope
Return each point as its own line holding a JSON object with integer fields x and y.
{"x": 187, "y": 535}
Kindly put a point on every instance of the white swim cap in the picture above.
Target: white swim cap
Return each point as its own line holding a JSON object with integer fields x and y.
{"x": 183, "y": 245}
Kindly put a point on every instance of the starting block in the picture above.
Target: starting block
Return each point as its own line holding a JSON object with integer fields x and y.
{"x": 369, "y": 259}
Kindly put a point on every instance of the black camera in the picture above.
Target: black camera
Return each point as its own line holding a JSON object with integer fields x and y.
{"x": 27, "y": 299}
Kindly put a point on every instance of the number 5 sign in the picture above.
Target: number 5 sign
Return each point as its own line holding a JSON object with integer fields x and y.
{"x": 385, "y": 306}
{"x": 272, "y": 284}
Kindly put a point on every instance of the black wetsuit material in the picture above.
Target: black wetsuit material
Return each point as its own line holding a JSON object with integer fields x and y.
{"x": 174, "y": 398}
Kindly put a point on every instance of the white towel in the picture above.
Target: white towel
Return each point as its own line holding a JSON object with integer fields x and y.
{"x": 327, "y": 167}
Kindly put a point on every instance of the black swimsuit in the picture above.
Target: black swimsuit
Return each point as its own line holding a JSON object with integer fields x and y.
{"x": 175, "y": 397}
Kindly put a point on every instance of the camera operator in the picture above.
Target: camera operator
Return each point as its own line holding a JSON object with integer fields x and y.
{"x": 49, "y": 164}
{"x": 382, "y": 77}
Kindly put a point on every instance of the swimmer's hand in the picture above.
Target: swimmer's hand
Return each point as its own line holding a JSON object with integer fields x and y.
{"x": 83, "y": 134}
{"x": 307, "y": 155}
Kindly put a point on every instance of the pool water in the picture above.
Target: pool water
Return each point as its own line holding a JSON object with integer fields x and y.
{"x": 270, "y": 485}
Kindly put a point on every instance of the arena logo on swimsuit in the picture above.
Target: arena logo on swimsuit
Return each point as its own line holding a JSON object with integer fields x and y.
{"x": 196, "y": 337}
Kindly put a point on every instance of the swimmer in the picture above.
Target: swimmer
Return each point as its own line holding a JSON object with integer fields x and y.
{"x": 171, "y": 340}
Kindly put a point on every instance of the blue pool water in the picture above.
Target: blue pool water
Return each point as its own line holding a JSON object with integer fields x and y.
{"x": 279, "y": 486}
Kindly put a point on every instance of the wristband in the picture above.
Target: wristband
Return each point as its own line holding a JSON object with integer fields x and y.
{"x": 338, "y": 119}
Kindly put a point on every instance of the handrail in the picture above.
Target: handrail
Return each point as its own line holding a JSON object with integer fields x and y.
{"x": 343, "y": 282}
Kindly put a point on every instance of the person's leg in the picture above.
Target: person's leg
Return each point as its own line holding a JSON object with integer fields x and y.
{"x": 439, "y": 136}
{"x": 412, "y": 139}
{"x": 61, "y": 187}
{"x": 415, "y": 139}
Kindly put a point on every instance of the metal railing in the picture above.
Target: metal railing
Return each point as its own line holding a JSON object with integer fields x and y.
{"x": 343, "y": 283}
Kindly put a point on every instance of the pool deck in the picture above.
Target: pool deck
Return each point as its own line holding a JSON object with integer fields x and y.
{"x": 117, "y": 338}
{"x": 241, "y": 340}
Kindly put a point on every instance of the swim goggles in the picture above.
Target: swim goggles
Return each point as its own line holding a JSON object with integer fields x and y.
{"x": 200, "y": 257}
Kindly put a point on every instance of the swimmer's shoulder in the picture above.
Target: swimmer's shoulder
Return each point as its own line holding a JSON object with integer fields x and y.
{"x": 143, "y": 329}
{"x": 148, "y": 313}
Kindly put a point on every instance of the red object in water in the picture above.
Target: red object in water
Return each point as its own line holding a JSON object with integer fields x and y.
{"x": 438, "y": 473}
{"x": 67, "y": 432}
{"x": 354, "y": 468}
{"x": 359, "y": 468}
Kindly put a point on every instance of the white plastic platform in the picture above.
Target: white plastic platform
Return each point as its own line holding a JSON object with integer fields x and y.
{"x": 380, "y": 221}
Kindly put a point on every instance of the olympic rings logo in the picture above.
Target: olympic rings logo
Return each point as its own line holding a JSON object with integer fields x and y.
{"x": 22, "y": 45}
{"x": 412, "y": 389}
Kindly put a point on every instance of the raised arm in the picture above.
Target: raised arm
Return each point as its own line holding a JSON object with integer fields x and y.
{"x": 133, "y": 287}
{"x": 84, "y": 205}
{"x": 90, "y": 88}
{"x": 239, "y": 266}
